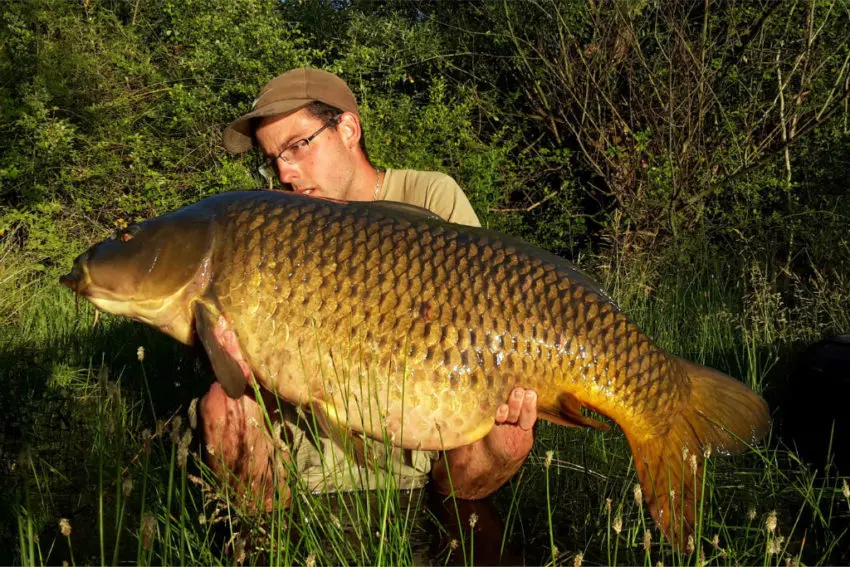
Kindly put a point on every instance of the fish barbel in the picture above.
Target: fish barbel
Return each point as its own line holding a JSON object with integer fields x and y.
{"x": 382, "y": 319}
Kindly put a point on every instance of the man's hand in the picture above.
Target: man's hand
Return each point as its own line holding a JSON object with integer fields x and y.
{"x": 477, "y": 470}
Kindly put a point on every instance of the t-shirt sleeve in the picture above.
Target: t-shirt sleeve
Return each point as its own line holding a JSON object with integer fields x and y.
{"x": 446, "y": 198}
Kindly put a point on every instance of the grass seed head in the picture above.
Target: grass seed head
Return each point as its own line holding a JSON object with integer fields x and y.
{"x": 774, "y": 546}
{"x": 175, "y": 429}
{"x": 549, "y": 456}
{"x": 65, "y": 527}
{"x": 183, "y": 449}
{"x": 715, "y": 541}
{"x": 707, "y": 451}
{"x": 140, "y": 353}
{"x": 845, "y": 489}
{"x": 578, "y": 559}
{"x": 311, "y": 560}
{"x": 638, "y": 492}
{"x": 647, "y": 540}
{"x": 618, "y": 524}
{"x": 148, "y": 530}
{"x": 127, "y": 487}
{"x": 693, "y": 464}
{"x": 770, "y": 522}
{"x": 193, "y": 413}
{"x": 751, "y": 513}
{"x": 608, "y": 503}
{"x": 690, "y": 547}
{"x": 473, "y": 520}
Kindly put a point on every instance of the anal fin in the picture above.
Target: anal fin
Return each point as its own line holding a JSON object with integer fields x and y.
{"x": 570, "y": 414}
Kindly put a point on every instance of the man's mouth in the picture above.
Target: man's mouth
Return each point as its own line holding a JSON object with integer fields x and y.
{"x": 308, "y": 191}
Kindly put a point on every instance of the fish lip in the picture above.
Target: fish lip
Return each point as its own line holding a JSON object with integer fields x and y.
{"x": 75, "y": 280}
{"x": 72, "y": 282}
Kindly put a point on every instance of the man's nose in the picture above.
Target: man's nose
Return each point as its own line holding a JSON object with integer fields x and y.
{"x": 286, "y": 172}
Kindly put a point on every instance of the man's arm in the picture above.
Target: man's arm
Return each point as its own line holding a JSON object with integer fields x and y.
{"x": 478, "y": 470}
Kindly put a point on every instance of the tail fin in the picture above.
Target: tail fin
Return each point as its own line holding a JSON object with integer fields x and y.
{"x": 722, "y": 416}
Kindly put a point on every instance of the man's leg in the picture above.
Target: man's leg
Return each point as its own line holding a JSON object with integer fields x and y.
{"x": 239, "y": 447}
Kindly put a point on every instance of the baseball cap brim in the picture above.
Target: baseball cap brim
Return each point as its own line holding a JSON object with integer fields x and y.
{"x": 239, "y": 135}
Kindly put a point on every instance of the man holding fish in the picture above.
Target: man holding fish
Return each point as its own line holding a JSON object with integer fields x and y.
{"x": 306, "y": 123}
{"x": 380, "y": 320}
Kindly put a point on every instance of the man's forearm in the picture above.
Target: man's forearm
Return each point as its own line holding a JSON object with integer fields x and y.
{"x": 472, "y": 472}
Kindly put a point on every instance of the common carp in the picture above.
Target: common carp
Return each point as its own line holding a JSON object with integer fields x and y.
{"x": 384, "y": 320}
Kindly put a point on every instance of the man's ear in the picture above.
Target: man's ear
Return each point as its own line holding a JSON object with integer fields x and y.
{"x": 349, "y": 128}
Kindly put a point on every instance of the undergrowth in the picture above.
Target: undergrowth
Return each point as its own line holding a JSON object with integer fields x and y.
{"x": 103, "y": 456}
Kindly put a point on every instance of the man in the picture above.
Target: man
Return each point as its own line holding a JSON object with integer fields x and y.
{"x": 307, "y": 124}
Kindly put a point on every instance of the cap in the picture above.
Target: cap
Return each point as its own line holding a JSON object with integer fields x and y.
{"x": 285, "y": 94}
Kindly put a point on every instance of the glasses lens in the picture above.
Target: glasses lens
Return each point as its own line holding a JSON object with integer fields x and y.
{"x": 294, "y": 152}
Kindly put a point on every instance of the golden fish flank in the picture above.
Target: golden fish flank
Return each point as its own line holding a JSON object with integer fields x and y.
{"x": 386, "y": 320}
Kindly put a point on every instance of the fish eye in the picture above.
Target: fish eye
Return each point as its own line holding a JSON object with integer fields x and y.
{"x": 127, "y": 234}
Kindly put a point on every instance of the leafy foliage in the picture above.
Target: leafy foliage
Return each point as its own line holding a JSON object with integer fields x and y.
{"x": 692, "y": 154}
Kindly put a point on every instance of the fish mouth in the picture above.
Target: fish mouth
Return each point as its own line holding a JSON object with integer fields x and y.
{"x": 77, "y": 280}
{"x": 73, "y": 279}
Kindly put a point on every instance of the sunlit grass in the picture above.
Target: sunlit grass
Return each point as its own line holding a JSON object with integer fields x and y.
{"x": 107, "y": 446}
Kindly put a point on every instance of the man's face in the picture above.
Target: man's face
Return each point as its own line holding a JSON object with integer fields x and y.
{"x": 325, "y": 167}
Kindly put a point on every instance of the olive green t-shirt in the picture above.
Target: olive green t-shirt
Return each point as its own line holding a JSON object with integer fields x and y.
{"x": 430, "y": 190}
{"x": 321, "y": 464}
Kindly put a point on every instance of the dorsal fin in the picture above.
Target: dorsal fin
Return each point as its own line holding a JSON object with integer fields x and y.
{"x": 397, "y": 209}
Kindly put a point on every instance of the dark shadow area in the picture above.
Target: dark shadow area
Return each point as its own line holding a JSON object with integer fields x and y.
{"x": 814, "y": 418}
{"x": 810, "y": 386}
{"x": 51, "y": 390}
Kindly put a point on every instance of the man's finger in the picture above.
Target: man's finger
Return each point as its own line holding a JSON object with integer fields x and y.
{"x": 515, "y": 404}
{"x": 502, "y": 414}
{"x": 528, "y": 413}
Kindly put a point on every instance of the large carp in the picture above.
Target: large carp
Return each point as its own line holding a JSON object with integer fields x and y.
{"x": 385, "y": 320}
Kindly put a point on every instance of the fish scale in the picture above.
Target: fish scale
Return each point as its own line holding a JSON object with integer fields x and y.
{"x": 445, "y": 322}
{"x": 383, "y": 319}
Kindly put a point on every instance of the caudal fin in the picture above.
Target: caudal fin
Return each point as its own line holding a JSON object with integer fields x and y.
{"x": 722, "y": 416}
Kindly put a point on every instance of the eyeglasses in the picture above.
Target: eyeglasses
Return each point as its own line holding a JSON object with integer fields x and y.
{"x": 292, "y": 153}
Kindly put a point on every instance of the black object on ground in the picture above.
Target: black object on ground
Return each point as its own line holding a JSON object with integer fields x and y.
{"x": 817, "y": 404}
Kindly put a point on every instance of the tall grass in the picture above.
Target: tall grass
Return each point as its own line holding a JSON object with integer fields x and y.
{"x": 105, "y": 464}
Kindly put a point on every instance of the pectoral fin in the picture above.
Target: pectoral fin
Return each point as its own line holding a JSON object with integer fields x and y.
{"x": 222, "y": 348}
{"x": 570, "y": 414}
{"x": 334, "y": 426}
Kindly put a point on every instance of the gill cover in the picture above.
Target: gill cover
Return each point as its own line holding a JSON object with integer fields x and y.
{"x": 152, "y": 271}
{"x": 151, "y": 260}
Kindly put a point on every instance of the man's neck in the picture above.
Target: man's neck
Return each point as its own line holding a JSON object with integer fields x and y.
{"x": 363, "y": 185}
